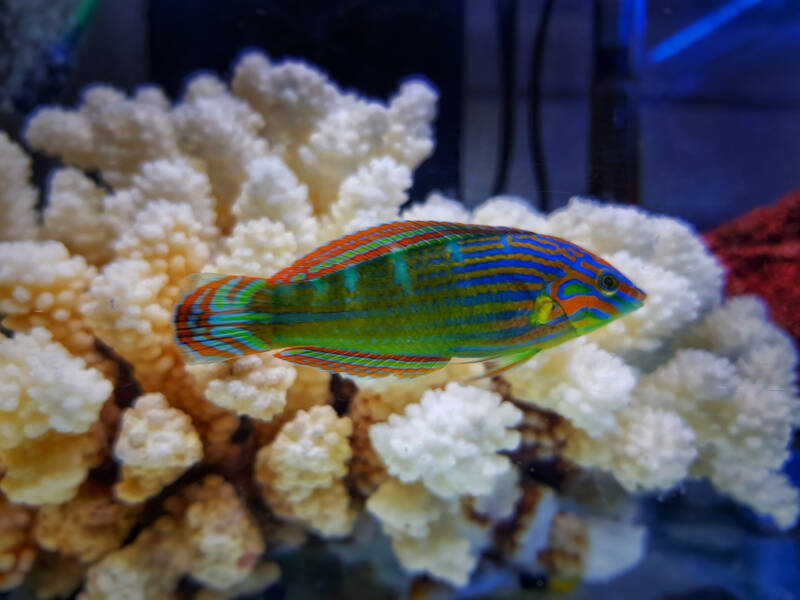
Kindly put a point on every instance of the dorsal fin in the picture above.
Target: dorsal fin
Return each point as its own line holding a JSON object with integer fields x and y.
{"x": 374, "y": 242}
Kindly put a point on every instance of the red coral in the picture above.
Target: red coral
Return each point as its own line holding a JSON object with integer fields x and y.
{"x": 761, "y": 251}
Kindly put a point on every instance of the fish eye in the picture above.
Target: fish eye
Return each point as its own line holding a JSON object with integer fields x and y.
{"x": 607, "y": 282}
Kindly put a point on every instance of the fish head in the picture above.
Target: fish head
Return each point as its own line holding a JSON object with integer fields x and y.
{"x": 594, "y": 293}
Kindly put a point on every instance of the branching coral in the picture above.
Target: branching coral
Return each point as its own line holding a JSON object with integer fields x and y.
{"x": 442, "y": 536}
{"x": 370, "y": 196}
{"x": 44, "y": 388}
{"x": 437, "y": 208}
{"x": 254, "y": 386}
{"x": 148, "y": 568}
{"x": 222, "y": 131}
{"x": 257, "y": 248}
{"x": 510, "y": 211}
{"x": 51, "y": 467}
{"x": 225, "y": 545}
{"x": 424, "y": 530}
{"x": 88, "y": 526}
{"x": 74, "y": 216}
{"x": 156, "y": 443}
{"x": 129, "y": 305}
{"x": 449, "y": 440}
{"x": 272, "y": 191}
{"x": 441, "y": 449}
{"x": 175, "y": 180}
{"x": 651, "y": 449}
{"x": 578, "y": 380}
{"x": 110, "y": 132}
{"x": 208, "y": 535}
{"x": 49, "y": 399}
{"x": 301, "y": 471}
{"x": 17, "y": 196}
{"x": 41, "y": 285}
{"x": 17, "y": 548}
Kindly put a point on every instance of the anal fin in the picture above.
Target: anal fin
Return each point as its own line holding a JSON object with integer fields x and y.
{"x": 363, "y": 364}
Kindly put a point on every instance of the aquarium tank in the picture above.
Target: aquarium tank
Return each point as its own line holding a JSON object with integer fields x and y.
{"x": 442, "y": 299}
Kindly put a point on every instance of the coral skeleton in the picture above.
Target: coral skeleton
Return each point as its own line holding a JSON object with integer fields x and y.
{"x": 242, "y": 461}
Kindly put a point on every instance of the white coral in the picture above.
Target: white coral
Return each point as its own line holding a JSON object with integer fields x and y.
{"x": 341, "y": 141}
{"x": 408, "y": 509}
{"x": 437, "y": 207}
{"x": 613, "y": 548}
{"x": 291, "y": 96}
{"x": 156, "y": 443}
{"x": 110, "y": 133}
{"x": 88, "y": 526}
{"x": 272, "y": 191}
{"x": 449, "y": 441}
{"x": 44, "y": 388}
{"x": 167, "y": 237}
{"x": 257, "y": 248}
{"x": 652, "y": 449}
{"x": 129, "y": 305}
{"x": 207, "y": 534}
{"x": 173, "y": 180}
{"x": 427, "y": 531}
{"x": 63, "y": 133}
{"x": 150, "y": 567}
{"x": 510, "y": 211}
{"x": 153, "y": 434}
{"x": 579, "y": 381}
{"x": 370, "y": 196}
{"x": 741, "y": 331}
{"x": 310, "y": 452}
{"x": 74, "y": 215}
{"x": 697, "y": 385}
{"x": 328, "y": 511}
{"x": 17, "y": 549}
{"x": 765, "y": 490}
{"x": 50, "y": 403}
{"x": 225, "y": 543}
{"x": 254, "y": 385}
{"x": 410, "y": 137}
{"x": 17, "y": 196}
{"x": 301, "y": 470}
{"x": 41, "y": 285}
{"x": 223, "y": 131}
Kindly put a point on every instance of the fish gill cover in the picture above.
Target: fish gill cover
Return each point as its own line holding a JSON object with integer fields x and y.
{"x": 212, "y": 472}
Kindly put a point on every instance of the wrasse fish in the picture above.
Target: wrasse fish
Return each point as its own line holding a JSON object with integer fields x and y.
{"x": 404, "y": 298}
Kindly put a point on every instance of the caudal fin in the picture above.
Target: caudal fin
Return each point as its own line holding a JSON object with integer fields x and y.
{"x": 220, "y": 317}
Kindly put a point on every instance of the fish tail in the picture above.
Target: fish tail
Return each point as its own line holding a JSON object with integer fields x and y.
{"x": 220, "y": 317}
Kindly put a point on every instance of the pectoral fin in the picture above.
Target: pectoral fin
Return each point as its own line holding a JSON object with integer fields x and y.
{"x": 542, "y": 310}
{"x": 500, "y": 364}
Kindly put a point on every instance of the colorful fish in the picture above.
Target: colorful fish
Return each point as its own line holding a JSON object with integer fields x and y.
{"x": 404, "y": 298}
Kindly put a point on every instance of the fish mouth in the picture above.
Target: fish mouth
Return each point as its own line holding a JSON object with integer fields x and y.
{"x": 638, "y": 295}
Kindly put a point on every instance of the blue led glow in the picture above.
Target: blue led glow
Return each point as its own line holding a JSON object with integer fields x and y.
{"x": 699, "y": 29}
